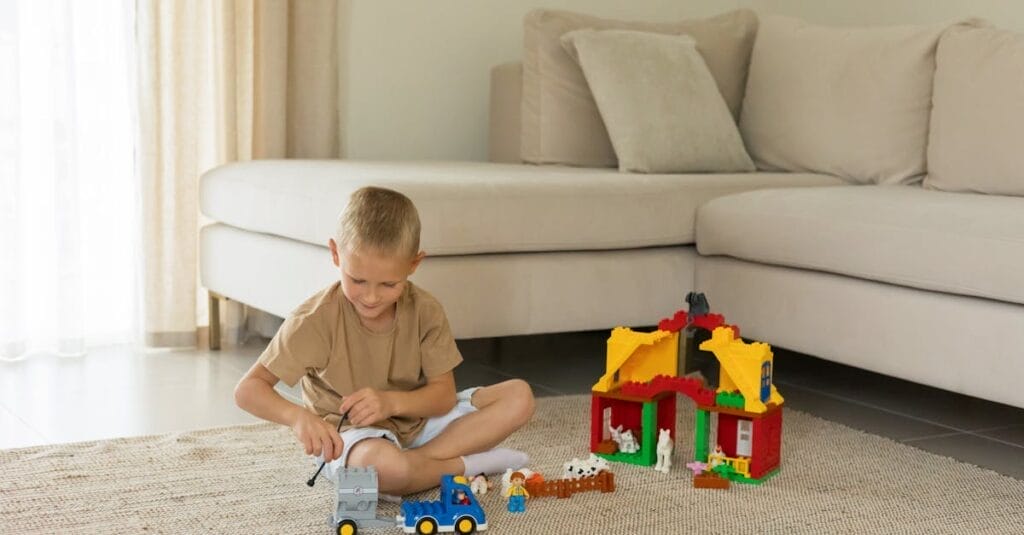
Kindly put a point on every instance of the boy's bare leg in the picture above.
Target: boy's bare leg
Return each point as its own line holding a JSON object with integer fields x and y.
{"x": 501, "y": 409}
{"x": 401, "y": 472}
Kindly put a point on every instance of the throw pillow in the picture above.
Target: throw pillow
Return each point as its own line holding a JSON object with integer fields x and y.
{"x": 978, "y": 112}
{"x": 560, "y": 121}
{"x": 851, "y": 102}
{"x": 659, "y": 102}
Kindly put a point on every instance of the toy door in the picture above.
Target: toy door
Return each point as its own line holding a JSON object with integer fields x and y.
{"x": 766, "y": 382}
{"x": 744, "y": 435}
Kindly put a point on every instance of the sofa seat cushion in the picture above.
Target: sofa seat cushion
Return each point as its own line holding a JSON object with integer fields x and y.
{"x": 959, "y": 243}
{"x": 477, "y": 207}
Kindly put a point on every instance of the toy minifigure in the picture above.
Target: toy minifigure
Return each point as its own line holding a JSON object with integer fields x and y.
{"x": 506, "y": 478}
{"x": 517, "y": 493}
{"x": 716, "y": 458}
{"x": 479, "y": 484}
{"x": 664, "y": 451}
{"x": 460, "y": 498}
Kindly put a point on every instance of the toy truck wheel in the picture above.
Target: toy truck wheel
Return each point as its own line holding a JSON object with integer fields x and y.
{"x": 465, "y": 525}
{"x": 347, "y": 527}
{"x": 426, "y": 526}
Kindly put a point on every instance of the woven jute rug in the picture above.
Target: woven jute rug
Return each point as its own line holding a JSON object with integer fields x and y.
{"x": 251, "y": 479}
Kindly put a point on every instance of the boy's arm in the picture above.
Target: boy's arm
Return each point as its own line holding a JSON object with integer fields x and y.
{"x": 368, "y": 406}
{"x": 255, "y": 393}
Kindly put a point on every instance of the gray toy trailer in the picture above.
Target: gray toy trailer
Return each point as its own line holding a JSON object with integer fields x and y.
{"x": 355, "y": 504}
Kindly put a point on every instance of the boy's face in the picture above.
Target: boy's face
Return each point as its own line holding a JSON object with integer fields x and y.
{"x": 373, "y": 280}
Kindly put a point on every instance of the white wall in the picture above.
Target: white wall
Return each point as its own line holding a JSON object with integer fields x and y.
{"x": 1003, "y": 13}
{"x": 416, "y": 73}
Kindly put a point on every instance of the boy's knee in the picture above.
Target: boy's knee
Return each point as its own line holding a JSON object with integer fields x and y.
{"x": 521, "y": 401}
{"x": 393, "y": 468}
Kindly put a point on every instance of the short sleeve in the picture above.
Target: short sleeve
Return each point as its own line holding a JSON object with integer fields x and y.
{"x": 300, "y": 345}
{"x": 438, "y": 352}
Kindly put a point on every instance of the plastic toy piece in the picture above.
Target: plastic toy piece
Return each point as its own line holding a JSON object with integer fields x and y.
{"x": 664, "y": 450}
{"x": 576, "y": 468}
{"x": 355, "y": 503}
{"x": 517, "y": 494}
{"x": 450, "y": 513}
{"x": 479, "y": 484}
{"x": 604, "y": 481}
{"x": 656, "y": 352}
{"x": 688, "y": 386}
{"x": 697, "y": 467}
{"x": 710, "y": 480}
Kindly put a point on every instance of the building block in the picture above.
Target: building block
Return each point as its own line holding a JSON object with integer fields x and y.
{"x": 710, "y": 480}
{"x": 635, "y": 356}
{"x": 688, "y": 386}
{"x": 730, "y": 399}
{"x": 702, "y": 426}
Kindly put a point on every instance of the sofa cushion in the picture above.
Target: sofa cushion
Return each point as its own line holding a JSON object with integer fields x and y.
{"x": 853, "y": 102}
{"x": 468, "y": 208}
{"x": 560, "y": 121}
{"x": 661, "y": 106}
{"x": 977, "y": 124}
{"x": 951, "y": 242}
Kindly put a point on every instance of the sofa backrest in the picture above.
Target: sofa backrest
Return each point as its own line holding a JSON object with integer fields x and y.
{"x": 506, "y": 112}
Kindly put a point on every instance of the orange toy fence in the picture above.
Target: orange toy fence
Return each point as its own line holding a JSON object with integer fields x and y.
{"x": 563, "y": 488}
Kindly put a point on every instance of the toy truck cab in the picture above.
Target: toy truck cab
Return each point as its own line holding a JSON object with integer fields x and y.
{"x": 456, "y": 511}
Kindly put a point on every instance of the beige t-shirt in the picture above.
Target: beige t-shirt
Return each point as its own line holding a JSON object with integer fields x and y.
{"x": 326, "y": 346}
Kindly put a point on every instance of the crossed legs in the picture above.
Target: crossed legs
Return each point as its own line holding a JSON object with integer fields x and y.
{"x": 501, "y": 409}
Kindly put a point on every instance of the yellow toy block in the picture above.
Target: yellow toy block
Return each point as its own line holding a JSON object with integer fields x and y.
{"x": 745, "y": 368}
{"x": 636, "y": 356}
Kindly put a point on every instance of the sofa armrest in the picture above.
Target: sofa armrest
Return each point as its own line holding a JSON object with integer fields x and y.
{"x": 505, "y": 116}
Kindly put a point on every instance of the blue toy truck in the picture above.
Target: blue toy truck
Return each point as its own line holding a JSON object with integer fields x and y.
{"x": 456, "y": 511}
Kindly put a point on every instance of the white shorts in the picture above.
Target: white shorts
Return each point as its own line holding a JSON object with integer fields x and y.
{"x": 433, "y": 428}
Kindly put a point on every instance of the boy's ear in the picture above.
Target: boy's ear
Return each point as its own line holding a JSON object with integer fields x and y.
{"x": 416, "y": 261}
{"x": 333, "y": 246}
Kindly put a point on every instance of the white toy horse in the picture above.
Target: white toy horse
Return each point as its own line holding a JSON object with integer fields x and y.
{"x": 665, "y": 446}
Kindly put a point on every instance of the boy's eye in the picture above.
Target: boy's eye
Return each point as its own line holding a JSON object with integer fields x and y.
{"x": 358, "y": 281}
{"x": 390, "y": 284}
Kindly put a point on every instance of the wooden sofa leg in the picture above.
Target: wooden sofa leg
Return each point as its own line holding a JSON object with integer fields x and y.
{"x": 214, "y": 330}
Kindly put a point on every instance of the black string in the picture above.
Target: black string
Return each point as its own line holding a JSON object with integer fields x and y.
{"x": 312, "y": 480}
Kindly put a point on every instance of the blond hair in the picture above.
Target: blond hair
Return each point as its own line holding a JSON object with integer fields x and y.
{"x": 380, "y": 219}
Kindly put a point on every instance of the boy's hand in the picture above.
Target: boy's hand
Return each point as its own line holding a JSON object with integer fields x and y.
{"x": 367, "y": 406}
{"x": 317, "y": 436}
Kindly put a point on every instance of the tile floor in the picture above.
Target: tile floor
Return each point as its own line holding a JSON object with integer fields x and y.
{"x": 121, "y": 392}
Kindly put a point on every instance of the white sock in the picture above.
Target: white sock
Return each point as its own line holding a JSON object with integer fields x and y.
{"x": 494, "y": 461}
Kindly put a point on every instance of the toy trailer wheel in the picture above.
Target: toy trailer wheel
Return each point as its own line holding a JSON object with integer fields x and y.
{"x": 465, "y": 525}
{"x": 426, "y": 526}
{"x": 347, "y": 527}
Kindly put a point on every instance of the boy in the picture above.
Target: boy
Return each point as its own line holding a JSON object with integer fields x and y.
{"x": 378, "y": 348}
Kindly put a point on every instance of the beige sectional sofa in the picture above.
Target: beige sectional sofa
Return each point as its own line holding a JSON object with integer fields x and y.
{"x": 842, "y": 245}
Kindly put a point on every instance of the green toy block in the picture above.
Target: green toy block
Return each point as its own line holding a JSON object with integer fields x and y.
{"x": 727, "y": 472}
{"x": 649, "y": 430}
{"x": 700, "y": 435}
{"x": 732, "y": 400}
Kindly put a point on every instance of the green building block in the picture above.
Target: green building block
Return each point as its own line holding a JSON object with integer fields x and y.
{"x": 732, "y": 400}
{"x": 700, "y": 435}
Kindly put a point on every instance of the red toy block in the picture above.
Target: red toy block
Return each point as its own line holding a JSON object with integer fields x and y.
{"x": 727, "y": 434}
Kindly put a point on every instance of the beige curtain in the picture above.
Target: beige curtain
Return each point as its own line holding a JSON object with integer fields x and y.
{"x": 220, "y": 81}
